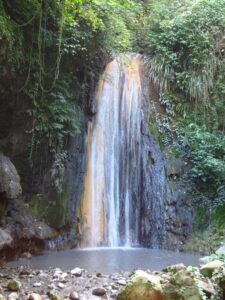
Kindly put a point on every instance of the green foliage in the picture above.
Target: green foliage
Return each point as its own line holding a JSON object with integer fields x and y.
{"x": 56, "y": 49}
{"x": 55, "y": 116}
{"x": 184, "y": 42}
{"x": 186, "y": 46}
{"x": 218, "y": 216}
{"x": 207, "y": 153}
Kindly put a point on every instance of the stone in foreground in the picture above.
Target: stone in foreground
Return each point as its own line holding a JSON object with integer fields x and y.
{"x": 208, "y": 269}
{"x": 181, "y": 286}
{"x": 142, "y": 286}
{"x": 99, "y": 291}
{"x": 14, "y": 285}
{"x": 74, "y": 296}
{"x": 34, "y": 296}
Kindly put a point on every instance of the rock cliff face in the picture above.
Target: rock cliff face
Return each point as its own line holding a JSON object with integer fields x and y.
{"x": 54, "y": 188}
{"x": 166, "y": 213}
{"x": 19, "y": 227}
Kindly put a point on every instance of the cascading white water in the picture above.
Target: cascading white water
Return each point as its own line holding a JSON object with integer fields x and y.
{"x": 109, "y": 214}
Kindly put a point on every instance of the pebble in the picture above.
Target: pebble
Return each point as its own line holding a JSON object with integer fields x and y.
{"x": 42, "y": 274}
{"x": 61, "y": 285}
{"x": 34, "y": 296}
{"x": 105, "y": 284}
{"x": 74, "y": 296}
{"x": 58, "y": 272}
{"x": 13, "y": 296}
{"x": 77, "y": 272}
{"x": 37, "y": 284}
{"x": 52, "y": 286}
{"x": 99, "y": 291}
{"x": 114, "y": 286}
{"x": 122, "y": 282}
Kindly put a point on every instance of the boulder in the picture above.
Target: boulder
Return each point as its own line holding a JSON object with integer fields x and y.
{"x": 22, "y": 224}
{"x": 208, "y": 269}
{"x": 207, "y": 288}
{"x": 181, "y": 285}
{"x": 142, "y": 286}
{"x": 5, "y": 239}
{"x": 9, "y": 179}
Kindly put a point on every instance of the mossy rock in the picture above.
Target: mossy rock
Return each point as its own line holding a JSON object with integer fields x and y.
{"x": 53, "y": 207}
{"x": 180, "y": 285}
{"x": 14, "y": 285}
{"x": 142, "y": 286}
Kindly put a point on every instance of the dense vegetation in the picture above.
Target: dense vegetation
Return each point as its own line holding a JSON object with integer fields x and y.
{"x": 52, "y": 53}
{"x": 186, "y": 53}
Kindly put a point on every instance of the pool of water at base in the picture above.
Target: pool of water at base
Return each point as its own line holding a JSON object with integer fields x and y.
{"x": 109, "y": 260}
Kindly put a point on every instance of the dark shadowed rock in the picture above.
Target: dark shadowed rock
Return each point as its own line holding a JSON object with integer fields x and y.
{"x": 22, "y": 224}
{"x": 99, "y": 291}
{"x": 5, "y": 239}
{"x": 74, "y": 296}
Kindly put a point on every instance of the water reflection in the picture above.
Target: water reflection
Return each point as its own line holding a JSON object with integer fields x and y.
{"x": 108, "y": 260}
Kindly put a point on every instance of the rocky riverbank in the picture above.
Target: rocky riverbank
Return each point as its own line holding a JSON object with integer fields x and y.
{"x": 56, "y": 284}
{"x": 176, "y": 282}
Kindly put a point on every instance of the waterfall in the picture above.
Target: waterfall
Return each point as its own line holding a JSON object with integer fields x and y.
{"x": 110, "y": 213}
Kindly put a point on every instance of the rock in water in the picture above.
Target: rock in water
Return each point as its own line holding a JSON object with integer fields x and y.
{"x": 9, "y": 179}
{"x": 142, "y": 286}
{"x": 14, "y": 285}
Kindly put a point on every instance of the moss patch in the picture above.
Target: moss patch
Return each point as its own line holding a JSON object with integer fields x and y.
{"x": 218, "y": 216}
{"x": 155, "y": 132}
{"x": 53, "y": 207}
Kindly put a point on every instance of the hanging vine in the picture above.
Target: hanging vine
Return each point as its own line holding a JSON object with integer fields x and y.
{"x": 41, "y": 53}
